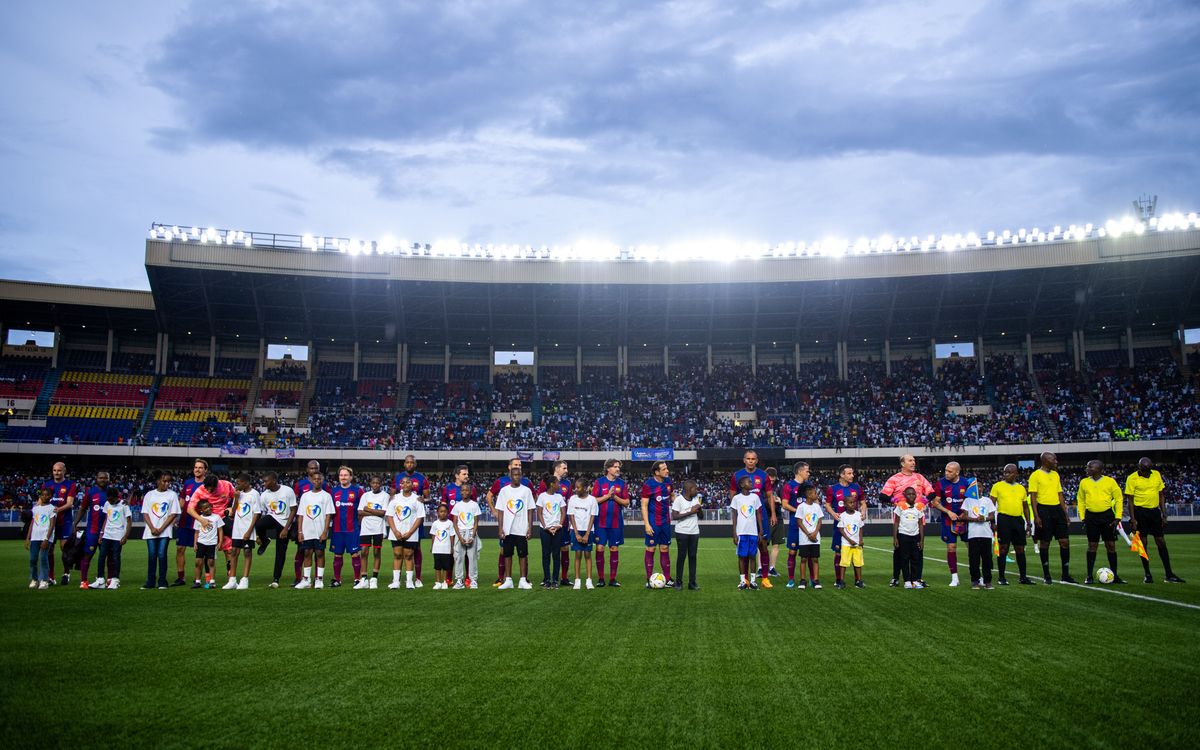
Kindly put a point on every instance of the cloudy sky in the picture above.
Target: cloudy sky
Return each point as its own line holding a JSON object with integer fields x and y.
{"x": 543, "y": 122}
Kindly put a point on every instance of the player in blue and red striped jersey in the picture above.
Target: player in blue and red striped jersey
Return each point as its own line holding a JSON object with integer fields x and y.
{"x": 185, "y": 525}
{"x": 302, "y": 485}
{"x": 420, "y": 487}
{"x": 490, "y": 498}
{"x": 91, "y": 518}
{"x": 565, "y": 487}
{"x": 63, "y": 494}
{"x": 948, "y": 496}
{"x": 760, "y": 485}
{"x": 657, "y": 495}
{"x": 612, "y": 495}
{"x": 459, "y": 490}
{"x": 836, "y": 495}
{"x": 343, "y": 529}
{"x": 790, "y": 496}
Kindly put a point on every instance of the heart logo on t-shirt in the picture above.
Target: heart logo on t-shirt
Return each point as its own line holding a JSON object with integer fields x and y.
{"x": 312, "y": 511}
{"x": 159, "y": 508}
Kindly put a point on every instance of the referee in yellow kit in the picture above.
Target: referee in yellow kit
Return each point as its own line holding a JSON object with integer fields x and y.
{"x": 1050, "y": 518}
{"x": 1100, "y": 507}
{"x": 1148, "y": 513}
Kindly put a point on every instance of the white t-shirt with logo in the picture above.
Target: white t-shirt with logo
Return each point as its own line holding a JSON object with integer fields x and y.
{"x": 580, "y": 510}
{"x": 514, "y": 503}
{"x": 979, "y": 506}
{"x": 551, "y": 509}
{"x": 465, "y": 513}
{"x": 209, "y": 537}
{"x": 408, "y": 513}
{"x": 442, "y": 534}
{"x": 910, "y": 520}
{"x": 278, "y": 503}
{"x": 313, "y": 509}
{"x": 851, "y": 524}
{"x": 691, "y": 524}
{"x": 372, "y": 525}
{"x": 808, "y": 518}
{"x": 116, "y": 517}
{"x": 745, "y": 508}
{"x": 42, "y": 525}
{"x": 156, "y": 506}
{"x": 247, "y": 506}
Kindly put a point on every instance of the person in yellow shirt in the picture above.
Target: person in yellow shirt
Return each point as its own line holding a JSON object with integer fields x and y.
{"x": 1148, "y": 513}
{"x": 1050, "y": 515}
{"x": 1100, "y": 507}
{"x": 1012, "y": 522}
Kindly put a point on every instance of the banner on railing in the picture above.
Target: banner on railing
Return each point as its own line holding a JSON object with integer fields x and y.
{"x": 551, "y": 455}
{"x": 285, "y": 453}
{"x": 525, "y": 455}
{"x": 653, "y": 454}
{"x": 229, "y": 449}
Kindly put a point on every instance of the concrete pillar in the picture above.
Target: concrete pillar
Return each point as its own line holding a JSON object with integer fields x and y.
{"x": 796, "y": 358}
{"x": 57, "y": 345}
{"x": 709, "y": 350}
{"x": 666, "y": 360}
{"x": 446, "y": 365}
{"x": 311, "y": 364}
{"x": 1082, "y": 350}
{"x": 887, "y": 358}
{"x": 1182, "y": 344}
{"x": 491, "y": 364}
{"x": 1029, "y": 353}
{"x": 108, "y": 352}
{"x": 212, "y": 356}
{"x": 166, "y": 352}
{"x": 1129, "y": 344}
{"x": 841, "y": 363}
{"x": 578, "y": 365}
{"x": 262, "y": 353}
{"x": 536, "y": 359}
{"x": 933, "y": 355}
{"x": 353, "y": 364}
{"x": 1075, "y": 348}
{"x": 754, "y": 359}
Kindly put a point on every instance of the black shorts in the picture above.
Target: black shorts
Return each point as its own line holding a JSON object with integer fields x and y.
{"x": 371, "y": 540}
{"x": 779, "y": 532}
{"x": 809, "y": 551}
{"x": 1149, "y": 521}
{"x": 1010, "y": 529}
{"x": 400, "y": 544}
{"x": 206, "y": 551}
{"x": 1100, "y": 526}
{"x": 243, "y": 543}
{"x": 1054, "y": 523}
{"x": 517, "y": 542}
{"x": 443, "y": 561}
{"x": 317, "y": 545}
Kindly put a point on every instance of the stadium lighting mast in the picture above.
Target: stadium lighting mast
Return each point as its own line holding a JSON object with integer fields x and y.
{"x": 1145, "y": 207}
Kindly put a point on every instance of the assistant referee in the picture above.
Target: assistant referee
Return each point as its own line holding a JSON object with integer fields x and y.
{"x": 1100, "y": 507}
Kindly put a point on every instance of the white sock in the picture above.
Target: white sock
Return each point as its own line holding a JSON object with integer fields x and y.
{"x": 233, "y": 578}
{"x": 320, "y": 573}
{"x": 742, "y": 578}
{"x": 408, "y": 576}
{"x": 395, "y": 576}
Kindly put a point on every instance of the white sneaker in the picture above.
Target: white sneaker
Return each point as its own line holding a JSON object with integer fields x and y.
{"x": 42, "y": 584}
{"x": 508, "y": 584}
{"x": 320, "y": 584}
{"x": 578, "y": 584}
{"x": 304, "y": 584}
{"x": 363, "y": 583}
{"x": 954, "y": 579}
{"x": 417, "y": 583}
{"x": 243, "y": 584}
{"x": 408, "y": 585}
{"x": 473, "y": 584}
{"x": 908, "y": 584}
{"x": 99, "y": 583}
{"x": 589, "y": 584}
{"x": 458, "y": 586}
{"x": 33, "y": 584}
{"x": 524, "y": 584}
{"x": 231, "y": 585}
{"x": 114, "y": 583}
{"x": 394, "y": 585}
{"x": 374, "y": 584}
{"x": 273, "y": 585}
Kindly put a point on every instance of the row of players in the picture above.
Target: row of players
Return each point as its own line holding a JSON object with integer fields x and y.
{"x": 352, "y": 519}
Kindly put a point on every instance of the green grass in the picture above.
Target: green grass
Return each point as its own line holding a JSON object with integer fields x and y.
{"x": 1018, "y": 667}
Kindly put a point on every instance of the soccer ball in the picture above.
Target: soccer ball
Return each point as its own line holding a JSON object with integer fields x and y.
{"x": 1104, "y": 575}
{"x": 657, "y": 581}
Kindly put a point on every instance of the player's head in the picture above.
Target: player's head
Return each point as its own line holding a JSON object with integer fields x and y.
{"x": 910, "y": 494}
{"x": 660, "y": 470}
{"x": 1095, "y": 468}
{"x": 744, "y": 485}
{"x": 908, "y": 462}
{"x": 750, "y": 460}
{"x": 461, "y": 473}
{"x": 410, "y": 463}
{"x": 1009, "y": 472}
{"x": 514, "y": 462}
{"x": 317, "y": 479}
{"x": 44, "y": 495}
{"x": 514, "y": 475}
{"x": 204, "y": 507}
{"x": 560, "y": 469}
{"x": 1145, "y": 466}
{"x": 811, "y": 492}
{"x": 345, "y": 476}
{"x": 800, "y": 471}
{"x": 443, "y": 511}
{"x": 58, "y": 471}
{"x": 376, "y": 483}
{"x": 102, "y": 479}
{"x": 271, "y": 481}
{"x": 773, "y": 474}
{"x": 210, "y": 482}
{"x": 690, "y": 489}
{"x": 846, "y": 473}
{"x": 243, "y": 482}
{"x": 406, "y": 485}
{"x": 199, "y": 469}
{"x": 311, "y": 468}
{"x": 162, "y": 480}
{"x": 953, "y": 471}
{"x": 612, "y": 468}
{"x": 581, "y": 487}
{"x": 1049, "y": 461}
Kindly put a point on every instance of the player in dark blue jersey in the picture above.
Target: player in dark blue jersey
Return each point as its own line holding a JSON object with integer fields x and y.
{"x": 948, "y": 496}
{"x": 790, "y": 496}
{"x": 420, "y": 485}
{"x": 308, "y": 482}
{"x": 760, "y": 485}
{"x": 490, "y": 499}
{"x": 63, "y": 495}
{"x": 90, "y": 519}
{"x": 657, "y": 496}
{"x": 836, "y": 496}
{"x": 185, "y": 530}
{"x": 344, "y": 527}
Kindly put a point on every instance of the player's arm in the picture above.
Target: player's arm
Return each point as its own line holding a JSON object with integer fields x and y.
{"x": 895, "y": 531}
{"x": 734, "y": 527}
{"x": 646, "y": 511}
{"x": 828, "y": 503}
{"x": 253, "y": 523}
{"x": 1079, "y": 502}
{"x": 785, "y": 496}
{"x": 220, "y": 536}
{"x": 529, "y": 515}
{"x": 621, "y": 495}
{"x": 324, "y": 528}
{"x": 921, "y": 535}
{"x": 771, "y": 505}
{"x": 291, "y": 518}
{"x": 758, "y": 513}
{"x": 1062, "y": 501}
{"x": 1118, "y": 501}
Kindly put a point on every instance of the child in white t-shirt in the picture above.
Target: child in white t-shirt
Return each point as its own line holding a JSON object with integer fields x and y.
{"x": 850, "y": 523}
{"x": 441, "y": 532}
{"x": 39, "y": 540}
{"x": 207, "y": 541}
{"x": 685, "y": 512}
{"x": 747, "y": 529}
{"x": 980, "y": 515}
{"x": 582, "y": 510}
{"x": 908, "y": 536}
{"x": 118, "y": 521}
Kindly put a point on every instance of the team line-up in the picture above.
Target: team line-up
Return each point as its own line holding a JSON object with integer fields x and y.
{"x": 582, "y": 519}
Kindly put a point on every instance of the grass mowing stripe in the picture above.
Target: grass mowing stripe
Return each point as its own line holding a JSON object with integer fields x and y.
{"x": 1076, "y": 585}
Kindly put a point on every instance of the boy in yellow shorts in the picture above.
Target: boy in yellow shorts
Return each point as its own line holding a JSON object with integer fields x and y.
{"x": 850, "y": 523}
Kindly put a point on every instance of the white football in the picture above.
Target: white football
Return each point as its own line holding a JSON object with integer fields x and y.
{"x": 1104, "y": 575}
{"x": 657, "y": 581}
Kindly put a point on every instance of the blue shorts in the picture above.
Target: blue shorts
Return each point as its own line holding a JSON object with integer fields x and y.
{"x": 577, "y": 547}
{"x": 185, "y": 536}
{"x": 90, "y": 543}
{"x": 614, "y": 537}
{"x": 949, "y": 536}
{"x": 661, "y": 536}
{"x": 795, "y": 538}
{"x": 747, "y": 545}
{"x": 344, "y": 543}
{"x": 63, "y": 524}
{"x": 836, "y": 536}
{"x": 766, "y": 522}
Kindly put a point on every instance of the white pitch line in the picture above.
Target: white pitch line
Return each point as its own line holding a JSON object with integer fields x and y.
{"x": 1076, "y": 585}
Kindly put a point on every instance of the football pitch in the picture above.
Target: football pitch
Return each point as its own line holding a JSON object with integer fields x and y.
{"x": 1028, "y": 667}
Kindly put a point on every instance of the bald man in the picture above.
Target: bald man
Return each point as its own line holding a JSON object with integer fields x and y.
{"x": 947, "y": 498}
{"x": 1050, "y": 518}
{"x": 63, "y": 494}
{"x": 892, "y": 492}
